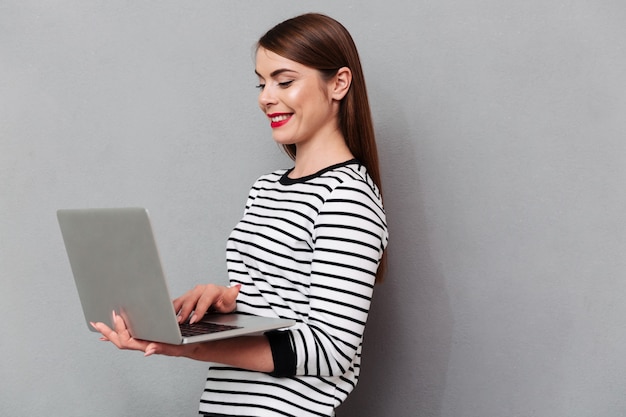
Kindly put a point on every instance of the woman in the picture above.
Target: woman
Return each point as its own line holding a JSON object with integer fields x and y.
{"x": 310, "y": 242}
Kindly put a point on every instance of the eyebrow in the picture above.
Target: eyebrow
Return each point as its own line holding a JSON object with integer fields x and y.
{"x": 274, "y": 73}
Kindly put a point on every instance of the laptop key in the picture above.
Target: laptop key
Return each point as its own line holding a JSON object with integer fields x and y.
{"x": 203, "y": 327}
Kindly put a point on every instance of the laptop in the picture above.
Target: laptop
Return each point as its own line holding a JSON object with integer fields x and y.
{"x": 116, "y": 267}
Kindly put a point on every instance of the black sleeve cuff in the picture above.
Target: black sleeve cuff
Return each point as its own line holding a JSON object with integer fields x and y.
{"x": 283, "y": 353}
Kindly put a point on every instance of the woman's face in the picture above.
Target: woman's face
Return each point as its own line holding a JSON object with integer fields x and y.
{"x": 297, "y": 102}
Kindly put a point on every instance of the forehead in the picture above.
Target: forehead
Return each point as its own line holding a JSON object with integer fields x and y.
{"x": 268, "y": 63}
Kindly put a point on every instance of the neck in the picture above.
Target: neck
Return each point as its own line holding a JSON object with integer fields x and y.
{"x": 314, "y": 158}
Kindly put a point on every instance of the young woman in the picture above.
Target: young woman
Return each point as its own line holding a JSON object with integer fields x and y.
{"x": 310, "y": 244}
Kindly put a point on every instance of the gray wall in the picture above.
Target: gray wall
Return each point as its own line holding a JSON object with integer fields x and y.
{"x": 502, "y": 136}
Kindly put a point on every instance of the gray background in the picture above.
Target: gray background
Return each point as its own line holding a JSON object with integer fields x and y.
{"x": 501, "y": 128}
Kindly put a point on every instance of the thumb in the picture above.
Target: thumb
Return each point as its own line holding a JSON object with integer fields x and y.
{"x": 228, "y": 300}
{"x": 154, "y": 348}
{"x": 232, "y": 293}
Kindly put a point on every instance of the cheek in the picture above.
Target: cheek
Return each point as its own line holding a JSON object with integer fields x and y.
{"x": 293, "y": 97}
{"x": 300, "y": 97}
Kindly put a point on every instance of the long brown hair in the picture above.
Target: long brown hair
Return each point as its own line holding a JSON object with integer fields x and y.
{"x": 321, "y": 42}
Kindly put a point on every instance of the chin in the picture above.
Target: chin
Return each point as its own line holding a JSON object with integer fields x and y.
{"x": 281, "y": 140}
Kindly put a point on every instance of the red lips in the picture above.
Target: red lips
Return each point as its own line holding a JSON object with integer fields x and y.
{"x": 279, "y": 119}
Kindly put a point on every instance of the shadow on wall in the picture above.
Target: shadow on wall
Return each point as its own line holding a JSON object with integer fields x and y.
{"x": 408, "y": 337}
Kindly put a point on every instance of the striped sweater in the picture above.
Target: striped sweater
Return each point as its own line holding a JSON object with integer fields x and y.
{"x": 306, "y": 249}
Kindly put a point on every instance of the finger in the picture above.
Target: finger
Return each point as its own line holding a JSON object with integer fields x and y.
{"x": 179, "y": 307}
{"x": 157, "y": 349}
{"x": 164, "y": 349}
{"x": 102, "y": 328}
{"x": 119, "y": 324}
{"x": 210, "y": 296}
{"x": 177, "y": 303}
{"x": 151, "y": 349}
{"x": 187, "y": 303}
{"x": 228, "y": 302}
{"x": 180, "y": 301}
{"x": 107, "y": 333}
{"x": 120, "y": 337}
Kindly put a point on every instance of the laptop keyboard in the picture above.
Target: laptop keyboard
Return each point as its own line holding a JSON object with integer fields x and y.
{"x": 203, "y": 327}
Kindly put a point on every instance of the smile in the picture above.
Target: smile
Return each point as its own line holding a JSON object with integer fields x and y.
{"x": 279, "y": 119}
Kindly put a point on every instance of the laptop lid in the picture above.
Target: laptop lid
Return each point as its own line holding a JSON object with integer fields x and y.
{"x": 116, "y": 267}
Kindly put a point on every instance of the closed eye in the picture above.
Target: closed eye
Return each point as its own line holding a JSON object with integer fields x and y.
{"x": 284, "y": 84}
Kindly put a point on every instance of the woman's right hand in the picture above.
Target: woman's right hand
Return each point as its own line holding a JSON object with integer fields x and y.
{"x": 204, "y": 297}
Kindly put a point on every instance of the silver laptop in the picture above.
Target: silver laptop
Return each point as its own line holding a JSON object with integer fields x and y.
{"x": 116, "y": 267}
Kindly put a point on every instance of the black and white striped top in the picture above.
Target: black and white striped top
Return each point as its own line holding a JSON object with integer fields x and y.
{"x": 306, "y": 249}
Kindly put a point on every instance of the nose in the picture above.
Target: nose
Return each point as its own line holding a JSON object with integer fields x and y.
{"x": 267, "y": 97}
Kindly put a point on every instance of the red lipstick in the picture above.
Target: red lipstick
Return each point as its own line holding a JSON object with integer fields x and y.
{"x": 279, "y": 119}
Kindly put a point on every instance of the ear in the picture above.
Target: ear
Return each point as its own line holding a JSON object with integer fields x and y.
{"x": 341, "y": 83}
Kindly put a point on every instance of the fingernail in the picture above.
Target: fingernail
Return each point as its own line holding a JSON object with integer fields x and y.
{"x": 193, "y": 319}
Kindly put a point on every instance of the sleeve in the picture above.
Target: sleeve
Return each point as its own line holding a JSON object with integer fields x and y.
{"x": 282, "y": 353}
{"x": 254, "y": 190}
{"x": 350, "y": 234}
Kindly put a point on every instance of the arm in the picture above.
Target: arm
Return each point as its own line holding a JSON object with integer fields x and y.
{"x": 350, "y": 234}
{"x": 252, "y": 352}
{"x": 249, "y": 352}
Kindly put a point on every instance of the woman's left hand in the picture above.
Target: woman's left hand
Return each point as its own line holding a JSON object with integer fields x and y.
{"x": 251, "y": 352}
{"x": 120, "y": 337}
